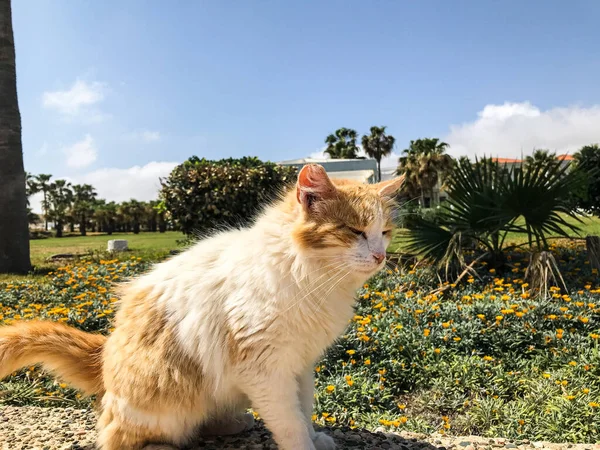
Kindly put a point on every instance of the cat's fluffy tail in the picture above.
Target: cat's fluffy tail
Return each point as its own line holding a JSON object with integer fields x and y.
{"x": 73, "y": 355}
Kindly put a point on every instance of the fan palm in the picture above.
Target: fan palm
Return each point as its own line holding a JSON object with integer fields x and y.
{"x": 486, "y": 201}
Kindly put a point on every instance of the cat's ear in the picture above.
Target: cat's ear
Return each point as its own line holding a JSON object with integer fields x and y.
{"x": 313, "y": 185}
{"x": 391, "y": 187}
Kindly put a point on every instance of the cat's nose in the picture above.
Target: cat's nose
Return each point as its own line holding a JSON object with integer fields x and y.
{"x": 379, "y": 257}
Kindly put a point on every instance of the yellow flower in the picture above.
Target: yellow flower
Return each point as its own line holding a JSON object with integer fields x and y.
{"x": 426, "y": 332}
{"x": 488, "y": 358}
{"x": 367, "y": 362}
{"x": 351, "y": 352}
{"x": 594, "y": 404}
{"x": 572, "y": 363}
{"x": 330, "y": 388}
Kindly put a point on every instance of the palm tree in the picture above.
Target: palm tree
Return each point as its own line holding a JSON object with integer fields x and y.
{"x": 43, "y": 185}
{"x": 83, "y": 202}
{"x": 377, "y": 145}
{"x": 342, "y": 144}
{"x": 424, "y": 164}
{"x": 134, "y": 211}
{"x": 60, "y": 199}
{"x": 105, "y": 216}
{"x": 14, "y": 227}
{"x": 540, "y": 158}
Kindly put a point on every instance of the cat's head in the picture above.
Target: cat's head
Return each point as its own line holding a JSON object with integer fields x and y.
{"x": 346, "y": 224}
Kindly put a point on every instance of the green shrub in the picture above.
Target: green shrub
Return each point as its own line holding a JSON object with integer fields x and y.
{"x": 201, "y": 194}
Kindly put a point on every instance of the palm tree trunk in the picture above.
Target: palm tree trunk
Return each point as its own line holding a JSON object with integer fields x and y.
{"x": 59, "y": 228}
{"x": 82, "y": 226}
{"x": 14, "y": 227}
{"x": 45, "y": 208}
{"x": 379, "y": 169}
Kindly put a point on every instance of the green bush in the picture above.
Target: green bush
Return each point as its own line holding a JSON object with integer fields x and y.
{"x": 201, "y": 194}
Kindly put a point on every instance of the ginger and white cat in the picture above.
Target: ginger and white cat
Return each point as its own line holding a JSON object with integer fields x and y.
{"x": 238, "y": 320}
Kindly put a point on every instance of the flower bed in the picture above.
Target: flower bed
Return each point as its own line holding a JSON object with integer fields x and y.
{"x": 483, "y": 359}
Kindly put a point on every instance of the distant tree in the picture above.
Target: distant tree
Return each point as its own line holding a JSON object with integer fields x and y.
{"x": 43, "y": 185}
{"x": 14, "y": 227}
{"x": 60, "y": 198}
{"x": 133, "y": 211}
{"x": 588, "y": 158}
{"x": 31, "y": 188}
{"x": 425, "y": 163}
{"x": 378, "y": 145}
{"x": 342, "y": 144}
{"x": 105, "y": 216}
{"x": 84, "y": 196}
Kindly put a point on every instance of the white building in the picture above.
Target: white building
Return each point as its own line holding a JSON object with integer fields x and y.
{"x": 363, "y": 170}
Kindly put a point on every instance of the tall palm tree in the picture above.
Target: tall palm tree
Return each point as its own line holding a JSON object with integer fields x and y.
{"x": 83, "y": 205}
{"x": 378, "y": 145}
{"x": 540, "y": 158}
{"x": 342, "y": 144}
{"x": 60, "y": 198}
{"x": 424, "y": 164}
{"x": 135, "y": 211}
{"x": 43, "y": 184}
{"x": 14, "y": 227}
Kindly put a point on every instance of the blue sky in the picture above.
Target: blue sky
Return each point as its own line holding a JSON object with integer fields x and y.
{"x": 116, "y": 92}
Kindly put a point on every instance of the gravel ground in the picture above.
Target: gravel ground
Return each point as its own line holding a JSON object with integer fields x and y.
{"x": 67, "y": 428}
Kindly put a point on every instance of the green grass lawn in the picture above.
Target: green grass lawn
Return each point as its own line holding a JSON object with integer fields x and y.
{"x": 148, "y": 246}
{"x": 42, "y": 249}
{"x": 589, "y": 226}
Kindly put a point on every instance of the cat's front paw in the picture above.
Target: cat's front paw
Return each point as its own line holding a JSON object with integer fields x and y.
{"x": 323, "y": 442}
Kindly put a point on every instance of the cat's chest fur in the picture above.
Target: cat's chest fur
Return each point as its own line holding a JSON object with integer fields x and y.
{"x": 238, "y": 304}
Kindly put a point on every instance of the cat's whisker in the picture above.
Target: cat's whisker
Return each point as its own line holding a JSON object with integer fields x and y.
{"x": 314, "y": 289}
{"x": 317, "y": 269}
{"x": 334, "y": 285}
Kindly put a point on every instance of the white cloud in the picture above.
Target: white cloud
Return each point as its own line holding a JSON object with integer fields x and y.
{"x": 145, "y": 135}
{"x": 78, "y": 101}
{"x": 516, "y": 129}
{"x": 138, "y": 182}
{"x": 81, "y": 153}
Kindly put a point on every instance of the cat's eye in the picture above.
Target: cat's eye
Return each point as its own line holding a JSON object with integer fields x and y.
{"x": 358, "y": 232}
{"x": 387, "y": 232}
